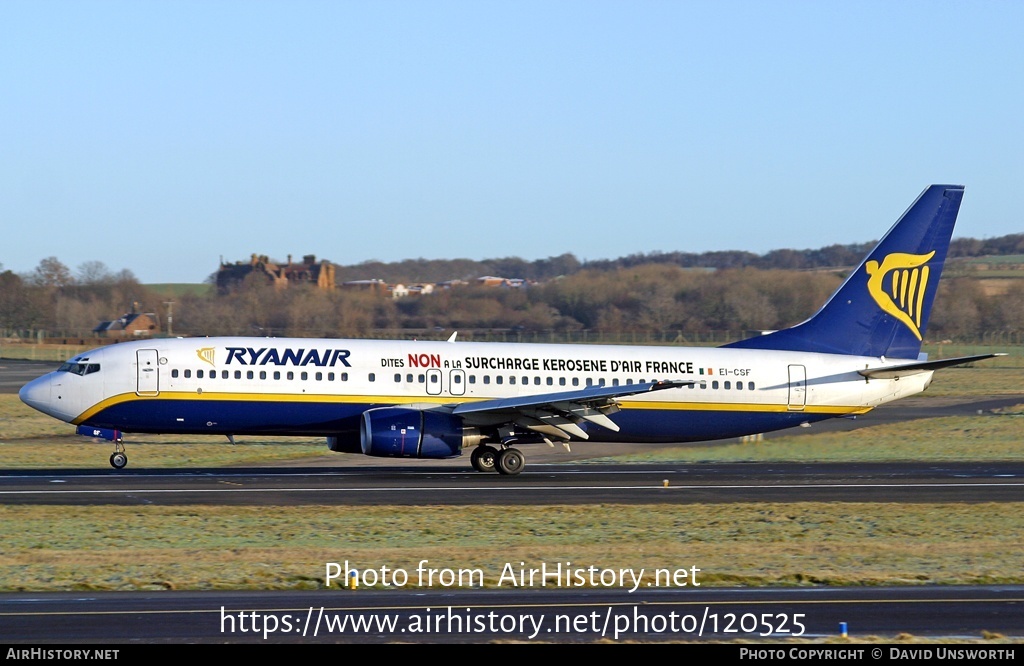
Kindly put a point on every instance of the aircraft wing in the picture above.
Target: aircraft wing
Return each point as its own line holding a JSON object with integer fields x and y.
{"x": 559, "y": 415}
{"x": 915, "y": 367}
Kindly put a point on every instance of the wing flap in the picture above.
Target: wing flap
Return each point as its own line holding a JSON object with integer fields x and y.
{"x": 560, "y": 415}
{"x": 587, "y": 396}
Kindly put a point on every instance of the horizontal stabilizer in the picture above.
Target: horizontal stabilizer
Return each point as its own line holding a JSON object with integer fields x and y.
{"x": 906, "y": 369}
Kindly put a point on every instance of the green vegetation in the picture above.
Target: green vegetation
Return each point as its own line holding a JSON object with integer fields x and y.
{"x": 989, "y": 437}
{"x": 219, "y": 547}
{"x": 177, "y": 290}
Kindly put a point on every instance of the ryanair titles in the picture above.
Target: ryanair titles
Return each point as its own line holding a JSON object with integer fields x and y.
{"x": 323, "y": 358}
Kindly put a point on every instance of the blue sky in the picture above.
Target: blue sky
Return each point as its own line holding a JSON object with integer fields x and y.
{"x": 162, "y": 136}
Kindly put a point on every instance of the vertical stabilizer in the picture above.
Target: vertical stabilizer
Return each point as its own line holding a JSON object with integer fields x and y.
{"x": 882, "y": 308}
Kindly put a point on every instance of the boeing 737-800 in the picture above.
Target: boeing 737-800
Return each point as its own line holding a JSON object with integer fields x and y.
{"x": 434, "y": 399}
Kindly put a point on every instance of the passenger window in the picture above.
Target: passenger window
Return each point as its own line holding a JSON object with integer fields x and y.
{"x": 728, "y": 385}
{"x": 457, "y": 379}
{"x": 174, "y": 373}
{"x": 499, "y": 379}
{"x": 714, "y": 384}
{"x": 344, "y": 376}
{"x": 561, "y": 381}
{"x": 277, "y": 374}
{"x": 319, "y": 376}
{"x": 263, "y": 374}
{"x": 188, "y": 374}
{"x": 238, "y": 374}
{"x": 199, "y": 374}
{"x": 398, "y": 377}
{"x": 575, "y": 381}
{"x": 248, "y": 374}
{"x": 750, "y": 386}
{"x": 290, "y": 376}
{"x": 304, "y": 376}
{"x": 550, "y": 381}
{"x": 373, "y": 377}
{"x": 512, "y": 380}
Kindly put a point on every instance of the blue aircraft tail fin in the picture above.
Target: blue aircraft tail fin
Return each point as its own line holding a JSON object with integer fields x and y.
{"x": 882, "y": 308}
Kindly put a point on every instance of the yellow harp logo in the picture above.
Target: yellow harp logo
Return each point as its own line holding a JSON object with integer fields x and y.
{"x": 898, "y": 286}
{"x": 206, "y": 354}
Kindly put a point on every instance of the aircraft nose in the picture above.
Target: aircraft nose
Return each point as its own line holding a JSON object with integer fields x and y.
{"x": 36, "y": 394}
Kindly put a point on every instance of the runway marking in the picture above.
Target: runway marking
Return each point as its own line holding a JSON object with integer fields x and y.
{"x": 361, "y": 473}
{"x": 658, "y": 487}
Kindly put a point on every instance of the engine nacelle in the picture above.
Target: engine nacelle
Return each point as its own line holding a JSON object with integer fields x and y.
{"x": 398, "y": 432}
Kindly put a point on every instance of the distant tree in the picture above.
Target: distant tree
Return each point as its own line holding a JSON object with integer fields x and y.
{"x": 51, "y": 273}
{"x": 94, "y": 273}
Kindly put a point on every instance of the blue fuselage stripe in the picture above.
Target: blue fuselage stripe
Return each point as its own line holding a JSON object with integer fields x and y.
{"x": 242, "y": 417}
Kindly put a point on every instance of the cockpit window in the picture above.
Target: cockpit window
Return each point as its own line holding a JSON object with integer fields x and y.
{"x": 79, "y": 368}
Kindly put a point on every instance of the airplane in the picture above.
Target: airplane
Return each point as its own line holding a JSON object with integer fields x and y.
{"x": 435, "y": 399}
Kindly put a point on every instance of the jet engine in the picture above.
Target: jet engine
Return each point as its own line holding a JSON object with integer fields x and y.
{"x": 398, "y": 432}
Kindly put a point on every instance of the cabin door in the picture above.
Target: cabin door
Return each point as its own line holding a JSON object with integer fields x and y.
{"x": 149, "y": 376}
{"x": 433, "y": 382}
{"x": 797, "y": 388}
{"x": 457, "y": 382}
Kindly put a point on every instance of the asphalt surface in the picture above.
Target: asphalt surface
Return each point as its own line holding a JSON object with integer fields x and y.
{"x": 552, "y": 614}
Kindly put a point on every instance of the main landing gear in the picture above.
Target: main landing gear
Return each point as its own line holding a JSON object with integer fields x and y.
{"x": 508, "y": 461}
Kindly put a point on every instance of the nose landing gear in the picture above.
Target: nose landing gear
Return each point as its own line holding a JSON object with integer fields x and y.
{"x": 118, "y": 459}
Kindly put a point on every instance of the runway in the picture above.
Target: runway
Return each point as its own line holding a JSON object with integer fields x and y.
{"x": 547, "y": 615}
{"x": 540, "y": 484}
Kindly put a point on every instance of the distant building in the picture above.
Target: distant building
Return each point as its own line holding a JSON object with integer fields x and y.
{"x": 375, "y": 286}
{"x": 309, "y": 271}
{"x": 507, "y": 283}
{"x": 131, "y": 325}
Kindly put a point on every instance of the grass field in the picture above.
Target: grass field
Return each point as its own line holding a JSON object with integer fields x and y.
{"x": 211, "y": 547}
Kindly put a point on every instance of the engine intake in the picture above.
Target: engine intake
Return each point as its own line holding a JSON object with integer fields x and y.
{"x": 398, "y": 432}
